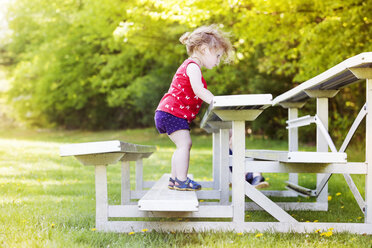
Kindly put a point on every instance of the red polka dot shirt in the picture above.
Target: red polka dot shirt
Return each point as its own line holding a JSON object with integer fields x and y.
{"x": 180, "y": 100}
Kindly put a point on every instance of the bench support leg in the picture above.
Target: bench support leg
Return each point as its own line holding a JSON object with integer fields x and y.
{"x": 216, "y": 160}
{"x": 224, "y": 166}
{"x": 139, "y": 174}
{"x": 321, "y": 143}
{"x": 238, "y": 193}
{"x": 368, "y": 187}
{"x": 101, "y": 197}
{"x": 125, "y": 183}
{"x": 293, "y": 141}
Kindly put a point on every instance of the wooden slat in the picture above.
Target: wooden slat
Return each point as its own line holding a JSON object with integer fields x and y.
{"x": 281, "y": 167}
{"x": 268, "y": 205}
{"x": 248, "y": 103}
{"x": 332, "y": 79}
{"x": 298, "y": 157}
{"x": 160, "y": 198}
{"x": 253, "y": 227}
{"x": 208, "y": 211}
{"x": 104, "y": 147}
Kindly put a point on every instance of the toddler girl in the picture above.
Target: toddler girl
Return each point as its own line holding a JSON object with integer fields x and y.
{"x": 206, "y": 46}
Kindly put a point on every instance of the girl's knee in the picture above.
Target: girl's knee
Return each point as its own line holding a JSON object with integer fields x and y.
{"x": 186, "y": 144}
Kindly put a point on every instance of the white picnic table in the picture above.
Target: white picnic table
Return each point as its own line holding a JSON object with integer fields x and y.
{"x": 153, "y": 200}
{"x": 323, "y": 162}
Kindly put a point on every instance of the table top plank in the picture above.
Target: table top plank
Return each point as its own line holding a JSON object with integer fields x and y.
{"x": 234, "y": 103}
{"x": 333, "y": 79}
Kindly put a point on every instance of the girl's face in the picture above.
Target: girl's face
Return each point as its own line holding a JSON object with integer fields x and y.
{"x": 211, "y": 57}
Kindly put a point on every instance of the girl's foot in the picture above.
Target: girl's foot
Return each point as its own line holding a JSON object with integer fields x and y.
{"x": 187, "y": 185}
{"x": 171, "y": 183}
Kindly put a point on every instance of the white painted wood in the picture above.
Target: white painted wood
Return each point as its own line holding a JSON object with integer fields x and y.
{"x": 279, "y": 193}
{"x": 368, "y": 185}
{"x": 208, "y": 194}
{"x": 300, "y": 122}
{"x": 103, "y": 147}
{"x": 125, "y": 183}
{"x": 148, "y": 184}
{"x": 364, "y": 72}
{"x": 224, "y": 166}
{"x": 238, "y": 194}
{"x": 253, "y": 227}
{"x": 324, "y": 132}
{"x": 249, "y": 104}
{"x": 321, "y": 141}
{"x": 238, "y": 115}
{"x": 279, "y": 167}
{"x": 216, "y": 160}
{"x": 90, "y": 148}
{"x": 268, "y": 205}
{"x": 293, "y": 141}
{"x": 297, "y": 104}
{"x": 322, "y": 184}
{"x": 128, "y": 156}
{"x": 307, "y": 120}
{"x": 292, "y": 132}
{"x": 359, "y": 199}
{"x": 290, "y": 206}
{"x": 241, "y": 100}
{"x": 217, "y": 125}
{"x": 206, "y": 184}
{"x": 362, "y": 113}
{"x": 321, "y": 93}
{"x": 101, "y": 196}
{"x": 201, "y": 194}
{"x": 328, "y": 77}
{"x": 101, "y": 158}
{"x": 210, "y": 211}
{"x": 160, "y": 198}
{"x": 139, "y": 174}
{"x": 298, "y": 157}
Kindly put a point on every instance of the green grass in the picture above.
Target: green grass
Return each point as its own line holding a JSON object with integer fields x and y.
{"x": 49, "y": 201}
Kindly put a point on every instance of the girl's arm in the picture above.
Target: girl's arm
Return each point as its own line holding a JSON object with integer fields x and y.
{"x": 194, "y": 73}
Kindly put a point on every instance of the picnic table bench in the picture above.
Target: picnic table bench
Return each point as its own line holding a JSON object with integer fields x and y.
{"x": 153, "y": 199}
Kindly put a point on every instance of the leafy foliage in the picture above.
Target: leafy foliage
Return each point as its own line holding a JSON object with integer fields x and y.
{"x": 105, "y": 64}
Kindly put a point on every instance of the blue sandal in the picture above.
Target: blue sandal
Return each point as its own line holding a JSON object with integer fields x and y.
{"x": 187, "y": 185}
{"x": 171, "y": 181}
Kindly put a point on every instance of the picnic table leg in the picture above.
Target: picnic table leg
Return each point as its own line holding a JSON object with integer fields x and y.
{"x": 101, "y": 197}
{"x": 238, "y": 192}
{"x": 216, "y": 160}
{"x": 224, "y": 166}
{"x": 321, "y": 143}
{"x": 293, "y": 141}
{"x": 139, "y": 174}
{"x": 368, "y": 187}
{"x": 125, "y": 183}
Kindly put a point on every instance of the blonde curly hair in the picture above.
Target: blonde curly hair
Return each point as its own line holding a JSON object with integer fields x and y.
{"x": 211, "y": 36}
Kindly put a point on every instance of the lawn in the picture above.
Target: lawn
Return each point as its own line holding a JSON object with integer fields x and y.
{"x": 49, "y": 201}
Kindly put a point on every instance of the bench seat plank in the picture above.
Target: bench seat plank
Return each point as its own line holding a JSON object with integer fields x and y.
{"x": 160, "y": 198}
{"x": 106, "y": 152}
{"x": 104, "y": 147}
{"x": 298, "y": 157}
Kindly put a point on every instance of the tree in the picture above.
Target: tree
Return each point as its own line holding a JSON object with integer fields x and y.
{"x": 80, "y": 62}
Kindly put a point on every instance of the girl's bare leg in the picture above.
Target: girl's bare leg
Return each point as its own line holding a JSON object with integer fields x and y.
{"x": 181, "y": 156}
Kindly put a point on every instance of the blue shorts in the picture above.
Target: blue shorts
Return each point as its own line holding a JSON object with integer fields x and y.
{"x": 168, "y": 123}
